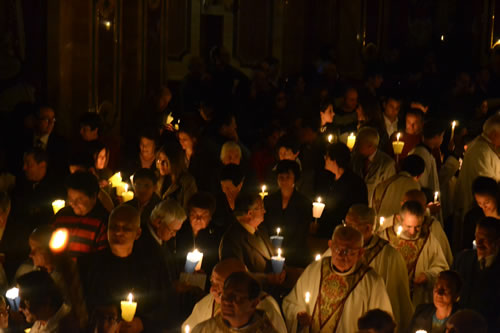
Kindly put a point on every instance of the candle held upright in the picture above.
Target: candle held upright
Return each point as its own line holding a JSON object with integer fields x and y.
{"x": 128, "y": 308}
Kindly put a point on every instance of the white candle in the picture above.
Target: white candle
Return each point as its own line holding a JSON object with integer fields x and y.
{"x": 116, "y": 179}
{"x": 436, "y": 196}
{"x": 58, "y": 205}
{"x": 382, "y": 219}
{"x": 128, "y": 308}
{"x": 317, "y": 257}
{"x": 195, "y": 259}
{"x": 59, "y": 240}
{"x": 351, "y": 140}
{"x": 318, "y": 208}
{"x": 397, "y": 146}
{"x": 263, "y": 192}
{"x": 278, "y": 230}
{"x": 12, "y": 293}
{"x": 400, "y": 230}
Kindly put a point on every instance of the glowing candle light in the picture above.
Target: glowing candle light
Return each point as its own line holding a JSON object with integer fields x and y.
{"x": 317, "y": 257}
{"x": 116, "y": 179}
{"x": 397, "y": 146}
{"x": 277, "y": 240}
{"x": 382, "y": 220}
{"x": 120, "y": 188}
{"x": 278, "y": 231}
{"x": 400, "y": 230}
{"x": 453, "y": 125}
{"x": 263, "y": 192}
{"x": 128, "y": 308}
{"x": 176, "y": 126}
{"x": 58, "y": 205}
{"x": 318, "y": 208}
{"x": 169, "y": 119}
{"x": 330, "y": 138}
{"x": 307, "y": 297}
{"x": 126, "y": 194}
{"x": 59, "y": 240}
{"x": 421, "y": 331}
{"x": 278, "y": 262}
{"x": 193, "y": 261}
{"x": 12, "y": 293}
{"x": 436, "y": 197}
{"x": 351, "y": 140}
{"x": 187, "y": 329}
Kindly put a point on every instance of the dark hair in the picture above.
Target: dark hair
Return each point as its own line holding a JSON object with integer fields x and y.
{"x": 191, "y": 126}
{"x": 176, "y": 161}
{"x": 339, "y": 153}
{"x": 145, "y": 173}
{"x": 84, "y": 182}
{"x": 233, "y": 173}
{"x": 467, "y": 321}
{"x": 413, "y": 207}
{"x": 39, "y": 155}
{"x": 243, "y": 279}
{"x": 91, "y": 119}
{"x": 203, "y": 200}
{"x": 244, "y": 202}
{"x": 286, "y": 165}
{"x": 81, "y": 160}
{"x": 486, "y": 186}
{"x": 149, "y": 134}
{"x": 432, "y": 128}
{"x": 377, "y": 320}
{"x": 4, "y": 201}
{"x": 288, "y": 142}
{"x": 492, "y": 225}
{"x": 324, "y": 105}
{"x": 454, "y": 281}
{"x": 414, "y": 165}
{"x": 415, "y": 112}
{"x": 39, "y": 290}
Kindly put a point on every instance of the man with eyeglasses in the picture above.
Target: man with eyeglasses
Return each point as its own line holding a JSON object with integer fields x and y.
{"x": 420, "y": 249}
{"x": 385, "y": 260}
{"x": 238, "y": 308}
{"x": 335, "y": 291}
{"x": 210, "y": 305}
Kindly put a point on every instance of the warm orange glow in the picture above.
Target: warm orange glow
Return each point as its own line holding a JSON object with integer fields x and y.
{"x": 59, "y": 240}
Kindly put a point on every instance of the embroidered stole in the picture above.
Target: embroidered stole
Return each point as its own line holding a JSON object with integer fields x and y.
{"x": 409, "y": 249}
{"x": 334, "y": 290}
{"x": 373, "y": 252}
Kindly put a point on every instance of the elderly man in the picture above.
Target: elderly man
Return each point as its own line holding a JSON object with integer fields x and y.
{"x": 239, "y": 302}
{"x": 421, "y": 251}
{"x": 479, "y": 270}
{"x": 335, "y": 291}
{"x": 370, "y": 163}
{"x": 209, "y": 306}
{"x": 386, "y": 196}
{"x": 385, "y": 260}
{"x": 110, "y": 275}
{"x": 482, "y": 158}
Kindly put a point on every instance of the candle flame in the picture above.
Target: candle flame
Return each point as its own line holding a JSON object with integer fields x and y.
{"x": 278, "y": 230}
{"x": 264, "y": 188}
{"x": 319, "y": 200}
{"x": 382, "y": 219}
{"x": 307, "y": 297}
{"x": 59, "y": 240}
{"x": 436, "y": 196}
{"x": 12, "y": 293}
{"x": 398, "y": 136}
{"x": 351, "y": 135}
{"x": 187, "y": 329}
{"x": 400, "y": 230}
{"x": 421, "y": 331}
{"x": 279, "y": 253}
{"x": 453, "y": 124}
{"x": 330, "y": 138}
{"x": 130, "y": 297}
{"x": 317, "y": 257}
{"x": 125, "y": 187}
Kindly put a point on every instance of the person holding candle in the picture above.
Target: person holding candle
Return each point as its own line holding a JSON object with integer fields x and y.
{"x": 385, "y": 260}
{"x": 432, "y": 317}
{"x": 289, "y": 210}
{"x": 239, "y": 301}
{"x": 421, "y": 251}
{"x": 341, "y": 286}
{"x": 210, "y": 305}
{"x": 144, "y": 182}
{"x": 369, "y": 162}
{"x": 412, "y": 135}
{"x": 43, "y": 306}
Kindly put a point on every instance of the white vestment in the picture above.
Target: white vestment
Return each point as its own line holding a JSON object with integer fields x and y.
{"x": 369, "y": 293}
{"x": 391, "y": 267}
{"x": 430, "y": 177}
{"x": 205, "y": 308}
{"x": 430, "y": 261}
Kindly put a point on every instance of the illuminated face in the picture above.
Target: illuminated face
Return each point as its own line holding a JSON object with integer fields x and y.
{"x": 163, "y": 164}
{"x": 101, "y": 159}
{"x": 487, "y": 203}
{"x": 413, "y": 124}
{"x": 46, "y": 121}
{"x": 199, "y": 218}
{"x": 257, "y": 213}
{"x": 147, "y": 148}
{"x": 39, "y": 254}
{"x": 286, "y": 181}
{"x": 442, "y": 294}
{"x": 122, "y": 234}
{"x": 345, "y": 254}
{"x": 392, "y": 108}
{"x": 80, "y": 202}
{"x": 186, "y": 141}
{"x": 327, "y": 115}
{"x": 412, "y": 225}
{"x": 486, "y": 245}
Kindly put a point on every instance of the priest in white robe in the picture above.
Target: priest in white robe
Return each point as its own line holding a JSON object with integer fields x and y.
{"x": 335, "y": 291}
{"x": 385, "y": 260}
{"x": 420, "y": 249}
{"x": 209, "y": 306}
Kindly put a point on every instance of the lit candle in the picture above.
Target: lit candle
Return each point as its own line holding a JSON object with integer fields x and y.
{"x": 382, "y": 219}
{"x": 453, "y": 125}
{"x": 330, "y": 138}
{"x": 424, "y": 331}
{"x": 193, "y": 261}
{"x": 436, "y": 197}
{"x": 187, "y": 329}
{"x": 128, "y": 308}
{"x": 278, "y": 262}
{"x": 442, "y": 39}
{"x": 116, "y": 179}
{"x": 277, "y": 240}
{"x": 58, "y": 205}
{"x": 317, "y": 257}
{"x": 397, "y": 146}
{"x": 176, "y": 126}
{"x": 351, "y": 140}
{"x": 59, "y": 240}
{"x": 318, "y": 208}
{"x": 127, "y": 195}
{"x": 263, "y": 192}
{"x": 13, "y": 298}
{"x": 400, "y": 230}
{"x": 120, "y": 188}
{"x": 307, "y": 297}
{"x": 107, "y": 24}
{"x": 169, "y": 119}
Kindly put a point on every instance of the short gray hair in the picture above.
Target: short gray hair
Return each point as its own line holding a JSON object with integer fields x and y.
{"x": 348, "y": 234}
{"x": 492, "y": 124}
{"x": 368, "y": 135}
{"x": 362, "y": 213}
{"x": 229, "y": 145}
{"x": 168, "y": 211}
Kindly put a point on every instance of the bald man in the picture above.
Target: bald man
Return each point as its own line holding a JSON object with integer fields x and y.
{"x": 209, "y": 306}
{"x": 385, "y": 260}
{"x": 340, "y": 288}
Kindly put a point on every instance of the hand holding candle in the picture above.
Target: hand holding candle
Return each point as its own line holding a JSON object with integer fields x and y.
{"x": 193, "y": 261}
{"x": 397, "y": 146}
{"x": 128, "y": 308}
{"x": 58, "y": 205}
{"x": 277, "y": 240}
{"x": 278, "y": 262}
{"x": 126, "y": 194}
{"x": 351, "y": 140}
{"x": 263, "y": 193}
{"x": 436, "y": 197}
{"x": 318, "y": 208}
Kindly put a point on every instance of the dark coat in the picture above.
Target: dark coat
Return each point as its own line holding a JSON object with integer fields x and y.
{"x": 255, "y": 251}
{"x": 422, "y": 318}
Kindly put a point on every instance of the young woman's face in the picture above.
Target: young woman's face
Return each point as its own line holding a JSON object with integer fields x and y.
{"x": 163, "y": 164}
{"x": 101, "y": 159}
{"x": 487, "y": 203}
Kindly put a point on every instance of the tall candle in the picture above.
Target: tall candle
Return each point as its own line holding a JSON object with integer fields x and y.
{"x": 128, "y": 308}
{"x": 277, "y": 240}
{"x": 307, "y": 300}
{"x": 453, "y": 125}
{"x": 351, "y": 140}
{"x": 116, "y": 179}
{"x": 318, "y": 208}
{"x": 263, "y": 192}
{"x": 58, "y": 205}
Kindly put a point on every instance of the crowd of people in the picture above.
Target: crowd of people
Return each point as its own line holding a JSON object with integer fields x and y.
{"x": 384, "y": 208}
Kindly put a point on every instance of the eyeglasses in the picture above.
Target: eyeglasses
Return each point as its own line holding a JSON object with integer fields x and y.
{"x": 345, "y": 252}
